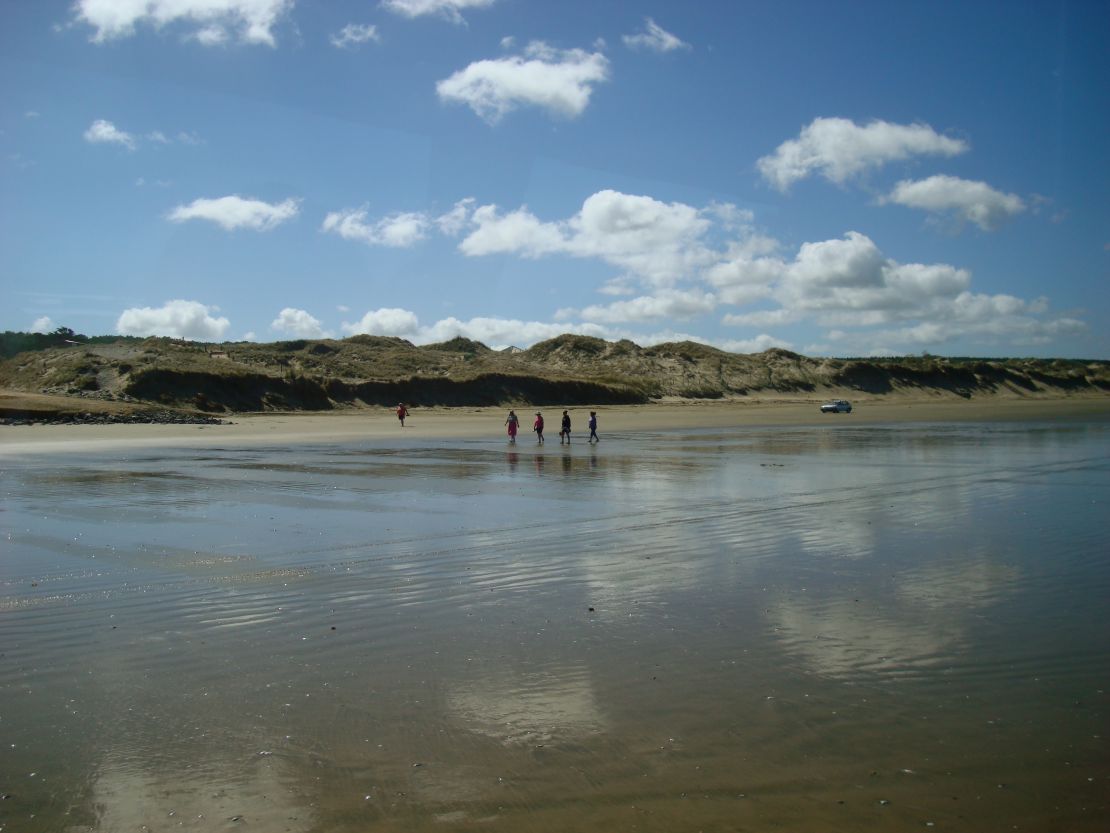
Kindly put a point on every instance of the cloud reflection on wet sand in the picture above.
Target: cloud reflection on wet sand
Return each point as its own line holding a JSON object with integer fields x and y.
{"x": 708, "y": 627}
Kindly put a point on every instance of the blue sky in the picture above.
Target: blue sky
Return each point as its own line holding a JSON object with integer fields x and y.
{"x": 837, "y": 179}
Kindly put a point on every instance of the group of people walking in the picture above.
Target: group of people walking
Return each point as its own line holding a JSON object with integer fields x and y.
{"x": 513, "y": 423}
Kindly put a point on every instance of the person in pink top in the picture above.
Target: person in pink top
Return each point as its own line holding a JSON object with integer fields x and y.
{"x": 513, "y": 421}
{"x": 537, "y": 426}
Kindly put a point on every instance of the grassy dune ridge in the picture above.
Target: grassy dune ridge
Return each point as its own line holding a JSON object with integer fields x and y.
{"x": 360, "y": 371}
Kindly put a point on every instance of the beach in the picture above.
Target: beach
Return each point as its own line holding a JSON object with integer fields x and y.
{"x": 440, "y": 423}
{"x": 722, "y": 616}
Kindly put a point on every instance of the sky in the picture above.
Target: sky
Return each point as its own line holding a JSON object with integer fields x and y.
{"x": 836, "y": 179}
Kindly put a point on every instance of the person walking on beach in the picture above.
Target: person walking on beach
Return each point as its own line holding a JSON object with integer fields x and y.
{"x": 402, "y": 412}
{"x": 564, "y": 429}
{"x": 537, "y": 426}
{"x": 513, "y": 422}
{"x": 593, "y": 427}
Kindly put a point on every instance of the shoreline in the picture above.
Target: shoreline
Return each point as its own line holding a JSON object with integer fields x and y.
{"x": 444, "y": 423}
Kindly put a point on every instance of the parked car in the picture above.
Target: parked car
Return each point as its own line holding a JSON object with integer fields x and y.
{"x": 837, "y": 406}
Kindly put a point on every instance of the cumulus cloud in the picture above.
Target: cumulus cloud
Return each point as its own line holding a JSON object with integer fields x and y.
{"x": 503, "y": 332}
{"x": 177, "y": 319}
{"x": 762, "y": 318}
{"x": 297, "y": 322}
{"x": 354, "y": 34}
{"x": 493, "y": 332}
{"x": 103, "y": 131}
{"x": 399, "y": 230}
{"x": 1000, "y": 319}
{"x": 452, "y": 222}
{"x": 559, "y": 82}
{"x": 754, "y": 345}
{"x": 210, "y": 22}
{"x": 448, "y": 9}
{"x": 839, "y": 149}
{"x": 655, "y": 38}
{"x": 673, "y": 304}
{"x": 967, "y": 200}
{"x": 234, "y": 212}
{"x": 678, "y": 262}
{"x": 387, "y": 321}
{"x": 656, "y": 241}
{"x": 849, "y": 284}
{"x": 45, "y": 324}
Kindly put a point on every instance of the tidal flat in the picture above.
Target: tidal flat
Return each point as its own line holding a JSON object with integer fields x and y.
{"x": 839, "y": 627}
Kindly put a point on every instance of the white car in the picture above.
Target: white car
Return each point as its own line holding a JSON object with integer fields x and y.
{"x": 837, "y": 406}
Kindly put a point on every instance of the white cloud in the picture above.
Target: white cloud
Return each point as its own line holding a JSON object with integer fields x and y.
{"x": 235, "y": 212}
{"x": 655, "y": 38}
{"x": 189, "y": 138}
{"x": 558, "y": 82}
{"x": 454, "y": 220}
{"x": 678, "y": 261}
{"x": 656, "y": 241}
{"x": 177, "y": 319}
{"x": 386, "y": 321}
{"x": 503, "y": 332}
{"x": 840, "y": 149}
{"x": 519, "y": 232}
{"x": 297, "y": 322}
{"x": 849, "y": 283}
{"x": 213, "y": 21}
{"x": 754, "y": 345}
{"x": 354, "y": 34}
{"x": 44, "y": 325}
{"x": 763, "y": 318}
{"x": 210, "y": 36}
{"x": 680, "y": 304}
{"x": 31, "y": 114}
{"x": 998, "y": 319}
{"x": 399, "y": 230}
{"x": 493, "y": 332}
{"x": 971, "y": 201}
{"x": 158, "y": 136}
{"x": 449, "y": 9}
{"x": 102, "y": 131}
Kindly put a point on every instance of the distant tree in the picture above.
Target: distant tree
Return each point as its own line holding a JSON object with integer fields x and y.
{"x": 12, "y": 343}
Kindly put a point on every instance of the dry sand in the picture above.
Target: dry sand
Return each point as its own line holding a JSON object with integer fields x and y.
{"x": 469, "y": 422}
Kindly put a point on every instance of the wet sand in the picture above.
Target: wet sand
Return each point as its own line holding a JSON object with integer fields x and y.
{"x": 469, "y": 423}
{"x": 851, "y": 625}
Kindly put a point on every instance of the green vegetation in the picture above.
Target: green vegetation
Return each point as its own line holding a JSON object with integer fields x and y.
{"x": 13, "y": 343}
{"x": 365, "y": 370}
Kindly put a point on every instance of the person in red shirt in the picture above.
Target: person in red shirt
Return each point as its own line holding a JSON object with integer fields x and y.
{"x": 402, "y": 412}
{"x": 537, "y": 426}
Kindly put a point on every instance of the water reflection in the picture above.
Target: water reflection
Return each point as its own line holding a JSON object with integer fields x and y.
{"x": 533, "y": 708}
{"x": 428, "y": 634}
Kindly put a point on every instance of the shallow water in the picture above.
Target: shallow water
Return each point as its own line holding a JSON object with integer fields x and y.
{"x": 877, "y": 628}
